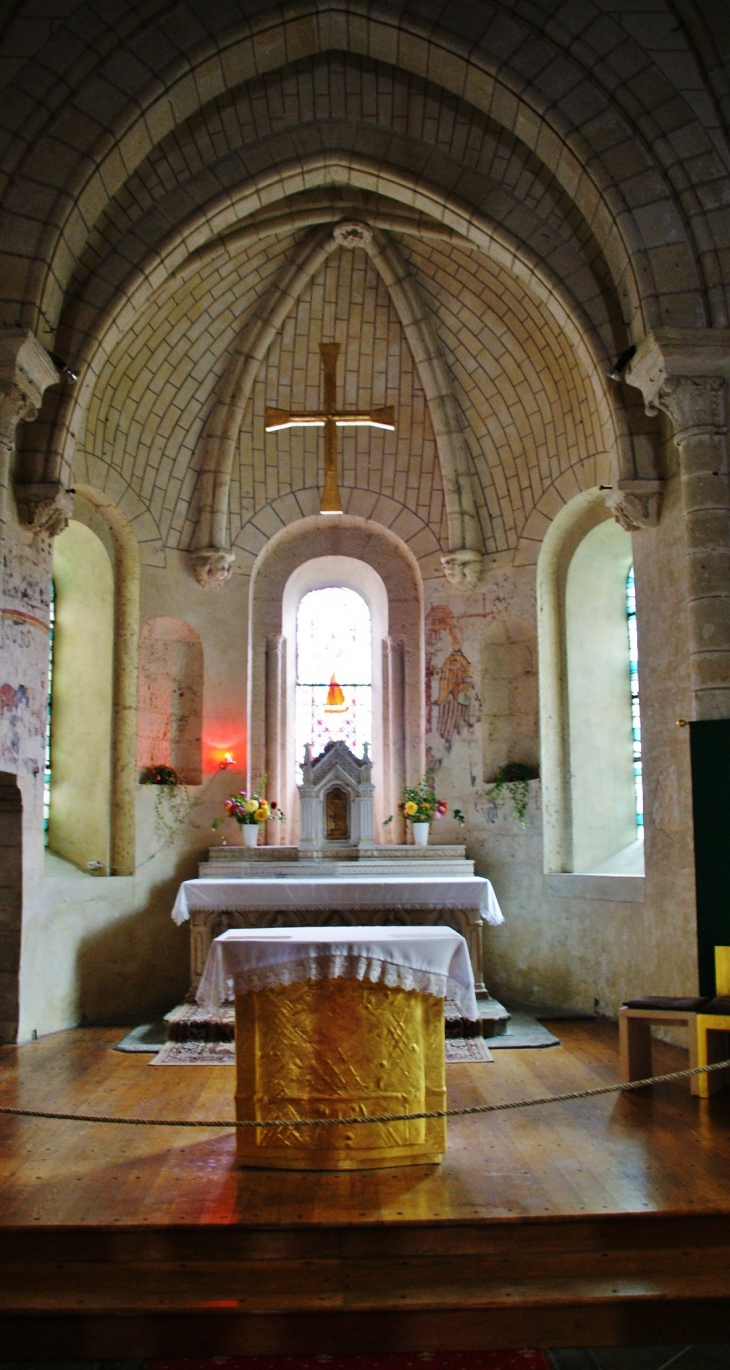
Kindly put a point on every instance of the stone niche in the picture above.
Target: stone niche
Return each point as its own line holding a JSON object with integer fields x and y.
{"x": 336, "y": 798}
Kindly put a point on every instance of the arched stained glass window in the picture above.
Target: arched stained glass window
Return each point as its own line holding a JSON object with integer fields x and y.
{"x": 334, "y": 671}
{"x": 635, "y": 709}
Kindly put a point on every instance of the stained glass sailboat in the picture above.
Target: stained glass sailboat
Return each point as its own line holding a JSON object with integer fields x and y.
{"x": 336, "y": 702}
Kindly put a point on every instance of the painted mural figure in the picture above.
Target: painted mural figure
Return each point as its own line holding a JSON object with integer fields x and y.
{"x": 453, "y": 697}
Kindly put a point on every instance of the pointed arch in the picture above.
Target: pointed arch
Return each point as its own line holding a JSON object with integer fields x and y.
{"x": 220, "y": 436}
{"x": 225, "y": 213}
{"x": 509, "y": 91}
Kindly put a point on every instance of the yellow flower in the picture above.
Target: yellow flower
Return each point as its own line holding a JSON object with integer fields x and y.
{"x": 261, "y": 815}
{"x": 410, "y": 808}
{"x": 251, "y": 805}
{"x": 265, "y": 806}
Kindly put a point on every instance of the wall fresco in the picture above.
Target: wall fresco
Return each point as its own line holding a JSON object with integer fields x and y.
{"x": 24, "y": 679}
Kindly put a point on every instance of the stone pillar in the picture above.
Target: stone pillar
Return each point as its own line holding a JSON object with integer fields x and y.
{"x": 393, "y": 736}
{"x": 363, "y": 805}
{"x": 275, "y": 727}
{"x": 310, "y": 835}
{"x": 685, "y": 372}
{"x": 26, "y": 371}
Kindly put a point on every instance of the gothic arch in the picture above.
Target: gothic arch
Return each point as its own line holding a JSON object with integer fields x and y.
{"x": 211, "y": 555}
{"x": 496, "y": 242}
{"x": 270, "y": 187}
{"x": 477, "y": 72}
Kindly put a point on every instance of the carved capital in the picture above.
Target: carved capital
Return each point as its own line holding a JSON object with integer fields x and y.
{"x": 352, "y": 235}
{"x": 15, "y": 405}
{"x": 636, "y": 504}
{"x": 683, "y": 371}
{"x": 463, "y": 568}
{"x": 695, "y": 404}
{"x": 25, "y": 370}
{"x": 46, "y": 506}
{"x": 213, "y": 566}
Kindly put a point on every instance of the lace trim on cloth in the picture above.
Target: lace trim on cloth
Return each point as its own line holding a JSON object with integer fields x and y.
{"x": 337, "y": 965}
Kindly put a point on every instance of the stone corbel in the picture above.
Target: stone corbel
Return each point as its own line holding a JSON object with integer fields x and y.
{"x": 213, "y": 566}
{"x": 46, "y": 506}
{"x": 636, "y": 504}
{"x": 463, "y": 568}
{"x": 26, "y": 371}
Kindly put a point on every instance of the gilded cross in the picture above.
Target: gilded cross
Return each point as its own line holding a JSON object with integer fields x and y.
{"x": 330, "y": 418}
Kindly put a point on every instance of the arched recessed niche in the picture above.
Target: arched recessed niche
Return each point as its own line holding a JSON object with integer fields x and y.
{"x": 170, "y": 698}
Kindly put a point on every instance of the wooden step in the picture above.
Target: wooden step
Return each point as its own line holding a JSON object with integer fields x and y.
{"x": 122, "y": 1292}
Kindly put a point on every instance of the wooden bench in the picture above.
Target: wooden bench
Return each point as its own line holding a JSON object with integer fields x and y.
{"x": 707, "y": 1021}
{"x": 635, "y": 1021}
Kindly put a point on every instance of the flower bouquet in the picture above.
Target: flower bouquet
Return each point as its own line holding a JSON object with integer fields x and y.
{"x": 250, "y": 810}
{"x": 420, "y": 806}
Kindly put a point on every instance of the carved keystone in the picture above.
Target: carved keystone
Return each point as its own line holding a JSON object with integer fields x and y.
{"x": 352, "y": 235}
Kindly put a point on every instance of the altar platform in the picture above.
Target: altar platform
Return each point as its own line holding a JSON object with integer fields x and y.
{"x": 257, "y": 887}
{"x": 597, "y": 1222}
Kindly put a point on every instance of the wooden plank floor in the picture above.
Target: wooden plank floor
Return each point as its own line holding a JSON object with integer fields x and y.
{"x": 599, "y": 1222}
{"x": 658, "y": 1151}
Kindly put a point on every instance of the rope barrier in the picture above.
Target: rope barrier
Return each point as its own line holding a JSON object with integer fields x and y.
{"x": 476, "y": 1109}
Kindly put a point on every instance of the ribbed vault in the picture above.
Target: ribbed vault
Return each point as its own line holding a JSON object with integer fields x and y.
{"x": 569, "y": 99}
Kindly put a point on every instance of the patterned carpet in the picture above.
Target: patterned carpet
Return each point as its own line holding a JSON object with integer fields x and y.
{"x": 224, "y": 1053}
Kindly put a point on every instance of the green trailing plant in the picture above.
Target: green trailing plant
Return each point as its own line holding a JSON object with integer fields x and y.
{"x": 173, "y": 804}
{"x": 512, "y": 783}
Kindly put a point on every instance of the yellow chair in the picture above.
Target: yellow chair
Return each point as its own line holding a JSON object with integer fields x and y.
{"x": 713, "y": 1029}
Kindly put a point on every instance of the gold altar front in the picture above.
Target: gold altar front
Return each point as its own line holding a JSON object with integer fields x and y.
{"x": 339, "y": 1048}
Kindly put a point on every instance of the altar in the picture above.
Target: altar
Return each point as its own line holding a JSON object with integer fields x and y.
{"x": 275, "y": 887}
{"x": 338, "y": 876}
{"x": 339, "y": 1022}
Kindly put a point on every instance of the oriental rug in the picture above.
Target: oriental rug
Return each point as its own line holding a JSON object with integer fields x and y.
{"x": 224, "y": 1053}
{"x": 419, "y": 1360}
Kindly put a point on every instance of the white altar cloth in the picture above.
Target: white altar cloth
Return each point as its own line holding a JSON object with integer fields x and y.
{"x": 467, "y": 892}
{"x": 429, "y": 960}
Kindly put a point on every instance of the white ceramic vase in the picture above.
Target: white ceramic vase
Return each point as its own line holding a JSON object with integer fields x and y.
{"x": 420, "y": 833}
{"x": 250, "y": 834}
